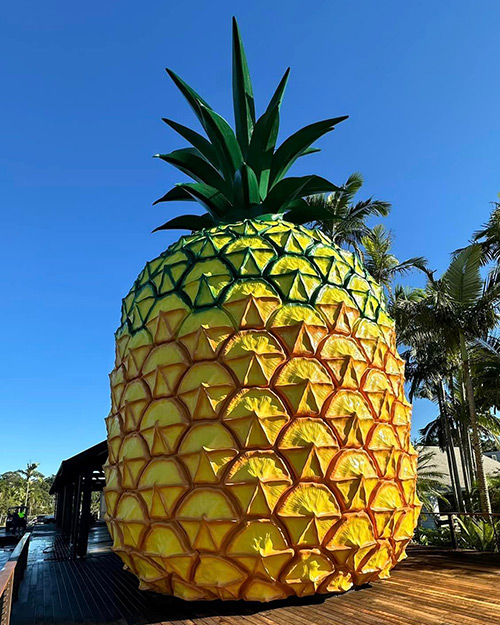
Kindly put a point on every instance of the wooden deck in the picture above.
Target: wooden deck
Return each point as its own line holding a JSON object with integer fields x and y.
{"x": 431, "y": 587}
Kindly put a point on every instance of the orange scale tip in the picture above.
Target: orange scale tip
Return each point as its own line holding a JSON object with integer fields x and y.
{"x": 258, "y": 590}
{"x": 203, "y": 333}
{"x": 204, "y": 388}
{"x": 305, "y": 384}
{"x": 253, "y": 356}
{"x": 256, "y": 417}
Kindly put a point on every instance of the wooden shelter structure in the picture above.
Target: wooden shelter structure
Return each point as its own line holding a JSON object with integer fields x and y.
{"x": 77, "y": 478}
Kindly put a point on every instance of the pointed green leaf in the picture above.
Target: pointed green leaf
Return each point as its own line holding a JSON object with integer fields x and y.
{"x": 297, "y": 204}
{"x": 191, "y": 163}
{"x": 219, "y": 132}
{"x": 278, "y": 94}
{"x": 301, "y": 214}
{"x": 196, "y": 140}
{"x": 177, "y": 194}
{"x": 243, "y": 101}
{"x": 246, "y": 187}
{"x": 210, "y": 198}
{"x": 263, "y": 141}
{"x": 290, "y": 189}
{"x": 260, "y": 153}
{"x": 296, "y": 144}
{"x": 188, "y": 222}
{"x": 310, "y": 151}
{"x": 194, "y": 99}
{"x": 223, "y": 141}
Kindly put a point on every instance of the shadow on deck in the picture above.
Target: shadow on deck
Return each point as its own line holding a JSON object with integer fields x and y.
{"x": 431, "y": 587}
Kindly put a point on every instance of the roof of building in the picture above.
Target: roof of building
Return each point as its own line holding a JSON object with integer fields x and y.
{"x": 90, "y": 459}
{"x": 439, "y": 464}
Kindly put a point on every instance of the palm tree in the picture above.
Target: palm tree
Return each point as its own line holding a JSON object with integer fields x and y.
{"x": 473, "y": 302}
{"x": 347, "y": 224}
{"x": 428, "y": 362}
{"x": 30, "y": 474}
{"x": 488, "y": 236}
{"x": 485, "y": 368}
{"x": 381, "y": 262}
{"x": 457, "y": 309}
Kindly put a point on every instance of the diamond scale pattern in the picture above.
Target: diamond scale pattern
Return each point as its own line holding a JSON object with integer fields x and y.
{"x": 259, "y": 433}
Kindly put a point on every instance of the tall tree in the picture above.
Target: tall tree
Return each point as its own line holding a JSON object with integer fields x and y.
{"x": 382, "y": 263}
{"x": 30, "y": 475}
{"x": 346, "y": 224}
{"x": 485, "y": 369}
{"x": 458, "y": 309}
{"x": 13, "y": 489}
{"x": 488, "y": 236}
{"x": 429, "y": 361}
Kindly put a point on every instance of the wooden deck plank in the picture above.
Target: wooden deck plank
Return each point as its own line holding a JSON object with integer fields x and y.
{"x": 429, "y": 610}
{"x": 432, "y": 587}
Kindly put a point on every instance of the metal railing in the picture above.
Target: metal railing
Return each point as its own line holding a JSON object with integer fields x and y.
{"x": 460, "y": 530}
{"x": 11, "y": 576}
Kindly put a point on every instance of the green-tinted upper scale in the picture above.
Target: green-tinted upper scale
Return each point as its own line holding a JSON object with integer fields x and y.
{"x": 294, "y": 263}
{"x": 241, "y": 174}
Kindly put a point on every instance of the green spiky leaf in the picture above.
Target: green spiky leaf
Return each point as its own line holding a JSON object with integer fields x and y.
{"x": 177, "y": 194}
{"x": 277, "y": 98}
{"x": 260, "y": 153}
{"x": 194, "y": 100}
{"x": 188, "y": 222}
{"x": 246, "y": 187}
{"x": 290, "y": 189}
{"x": 244, "y": 107}
{"x": 240, "y": 173}
{"x": 224, "y": 142}
{"x": 210, "y": 198}
{"x": 191, "y": 163}
{"x": 290, "y": 150}
{"x": 310, "y": 151}
{"x": 195, "y": 139}
{"x": 302, "y": 213}
{"x": 265, "y": 134}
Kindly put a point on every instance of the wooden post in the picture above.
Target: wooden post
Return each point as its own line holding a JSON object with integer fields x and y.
{"x": 67, "y": 509}
{"x": 453, "y": 533}
{"x": 60, "y": 508}
{"x": 84, "y": 526}
{"x": 75, "y": 521}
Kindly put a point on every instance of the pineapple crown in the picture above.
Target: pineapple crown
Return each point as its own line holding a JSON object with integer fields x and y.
{"x": 241, "y": 174}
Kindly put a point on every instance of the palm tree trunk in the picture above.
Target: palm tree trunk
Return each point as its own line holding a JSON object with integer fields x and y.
{"x": 450, "y": 451}
{"x": 484, "y": 495}
{"x": 465, "y": 468}
{"x": 464, "y": 446}
{"x": 467, "y": 439}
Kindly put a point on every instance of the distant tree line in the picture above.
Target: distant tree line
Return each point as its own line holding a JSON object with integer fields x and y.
{"x": 28, "y": 487}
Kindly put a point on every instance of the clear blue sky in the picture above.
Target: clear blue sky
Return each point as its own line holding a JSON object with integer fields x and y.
{"x": 83, "y": 91}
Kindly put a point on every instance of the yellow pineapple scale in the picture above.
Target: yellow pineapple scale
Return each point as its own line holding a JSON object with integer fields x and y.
{"x": 259, "y": 435}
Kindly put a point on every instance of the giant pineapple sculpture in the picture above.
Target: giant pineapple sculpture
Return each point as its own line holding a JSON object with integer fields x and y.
{"x": 259, "y": 436}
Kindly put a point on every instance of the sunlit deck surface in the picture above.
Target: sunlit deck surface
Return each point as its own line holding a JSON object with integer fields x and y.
{"x": 431, "y": 587}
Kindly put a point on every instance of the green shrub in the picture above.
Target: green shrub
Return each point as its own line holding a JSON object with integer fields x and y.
{"x": 478, "y": 534}
{"x": 438, "y": 537}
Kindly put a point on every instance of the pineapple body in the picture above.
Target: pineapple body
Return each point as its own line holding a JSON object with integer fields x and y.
{"x": 259, "y": 437}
